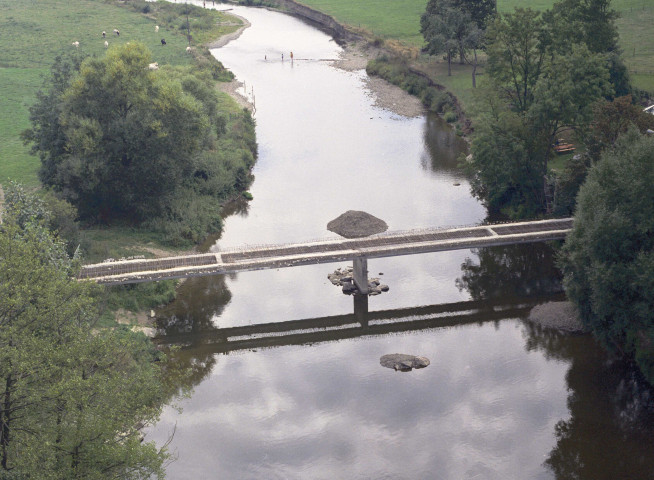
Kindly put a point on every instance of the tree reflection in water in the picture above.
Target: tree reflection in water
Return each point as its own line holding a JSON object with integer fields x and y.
{"x": 610, "y": 431}
{"x": 512, "y": 271}
{"x": 198, "y": 301}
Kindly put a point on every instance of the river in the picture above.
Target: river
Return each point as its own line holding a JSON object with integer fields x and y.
{"x": 501, "y": 399}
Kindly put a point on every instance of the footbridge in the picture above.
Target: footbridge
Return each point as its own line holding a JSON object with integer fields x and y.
{"x": 260, "y": 257}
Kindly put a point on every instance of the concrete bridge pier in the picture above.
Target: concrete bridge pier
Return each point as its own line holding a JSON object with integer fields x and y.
{"x": 360, "y": 274}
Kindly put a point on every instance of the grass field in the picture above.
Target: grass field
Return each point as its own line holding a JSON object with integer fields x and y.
{"x": 401, "y": 21}
{"x": 33, "y": 32}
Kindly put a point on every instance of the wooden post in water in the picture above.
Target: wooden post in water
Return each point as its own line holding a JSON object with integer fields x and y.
{"x": 360, "y": 274}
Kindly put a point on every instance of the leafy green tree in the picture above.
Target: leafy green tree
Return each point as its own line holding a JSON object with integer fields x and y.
{"x": 567, "y": 90}
{"x": 544, "y": 94}
{"x": 516, "y": 55}
{"x": 509, "y": 163}
{"x": 591, "y": 23}
{"x": 46, "y": 134}
{"x": 445, "y": 29}
{"x": 73, "y": 398}
{"x": 56, "y": 214}
{"x": 588, "y": 22}
{"x": 450, "y": 26}
{"x": 608, "y": 258}
{"x": 125, "y": 136}
{"x": 151, "y": 148}
{"x": 611, "y": 120}
{"x": 481, "y": 11}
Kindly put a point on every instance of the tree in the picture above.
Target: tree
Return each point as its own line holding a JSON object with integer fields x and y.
{"x": 516, "y": 55}
{"x": 150, "y": 148}
{"x": 481, "y": 11}
{"x": 568, "y": 88}
{"x": 608, "y": 258}
{"x": 73, "y": 398}
{"x": 611, "y": 120}
{"x": 445, "y": 29}
{"x": 57, "y": 215}
{"x": 591, "y": 22}
{"x": 545, "y": 93}
{"x": 509, "y": 163}
{"x": 450, "y": 26}
{"x": 126, "y": 136}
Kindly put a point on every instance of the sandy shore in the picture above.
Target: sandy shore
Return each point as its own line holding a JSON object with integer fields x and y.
{"x": 354, "y": 57}
{"x": 225, "y": 39}
{"x": 557, "y": 315}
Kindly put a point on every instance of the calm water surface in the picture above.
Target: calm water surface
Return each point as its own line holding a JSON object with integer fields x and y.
{"x": 501, "y": 399}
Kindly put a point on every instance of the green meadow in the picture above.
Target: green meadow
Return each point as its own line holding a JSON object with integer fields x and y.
{"x": 33, "y": 32}
{"x": 400, "y": 21}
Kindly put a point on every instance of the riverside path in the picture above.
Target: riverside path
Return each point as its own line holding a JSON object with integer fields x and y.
{"x": 260, "y": 257}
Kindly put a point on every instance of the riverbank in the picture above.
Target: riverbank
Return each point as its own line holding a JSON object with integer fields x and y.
{"x": 355, "y": 56}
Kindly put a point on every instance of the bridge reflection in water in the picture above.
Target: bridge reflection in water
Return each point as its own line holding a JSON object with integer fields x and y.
{"x": 361, "y": 323}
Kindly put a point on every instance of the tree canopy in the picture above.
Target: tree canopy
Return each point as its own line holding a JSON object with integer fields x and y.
{"x": 516, "y": 55}
{"x": 122, "y": 140}
{"x": 546, "y": 82}
{"x": 456, "y": 26}
{"x": 74, "y": 397}
{"x": 608, "y": 258}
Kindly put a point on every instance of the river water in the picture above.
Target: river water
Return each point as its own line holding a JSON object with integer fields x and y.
{"x": 502, "y": 399}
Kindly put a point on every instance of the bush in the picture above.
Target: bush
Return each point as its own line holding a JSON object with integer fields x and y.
{"x": 451, "y": 117}
{"x": 140, "y": 296}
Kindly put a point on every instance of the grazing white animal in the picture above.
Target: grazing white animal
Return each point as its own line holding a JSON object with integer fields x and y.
{"x": 75, "y": 44}
{"x": 104, "y": 34}
{"x": 188, "y": 49}
{"x": 106, "y": 44}
{"x": 116, "y": 32}
{"x": 156, "y": 28}
{"x": 153, "y": 66}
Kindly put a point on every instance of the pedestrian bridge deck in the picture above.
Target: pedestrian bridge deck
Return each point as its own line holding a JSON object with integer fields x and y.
{"x": 247, "y": 258}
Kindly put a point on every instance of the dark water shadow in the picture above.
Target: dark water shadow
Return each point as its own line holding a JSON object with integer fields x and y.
{"x": 443, "y": 148}
{"x": 511, "y": 272}
{"x": 610, "y": 432}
